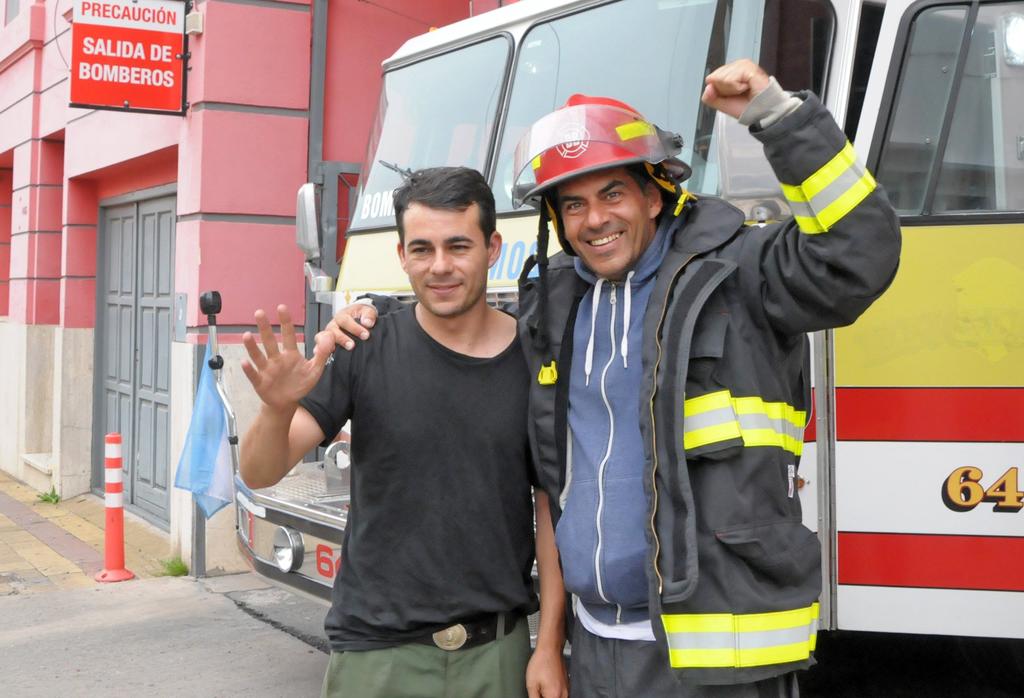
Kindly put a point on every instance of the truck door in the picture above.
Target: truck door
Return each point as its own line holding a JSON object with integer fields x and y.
{"x": 930, "y": 381}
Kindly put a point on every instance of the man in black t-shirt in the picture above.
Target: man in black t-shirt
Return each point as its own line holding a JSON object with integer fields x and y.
{"x": 434, "y": 588}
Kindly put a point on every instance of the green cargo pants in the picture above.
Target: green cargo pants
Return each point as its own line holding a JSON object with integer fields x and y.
{"x": 494, "y": 670}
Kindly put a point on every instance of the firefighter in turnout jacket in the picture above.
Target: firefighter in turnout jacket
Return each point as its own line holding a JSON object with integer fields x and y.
{"x": 671, "y": 389}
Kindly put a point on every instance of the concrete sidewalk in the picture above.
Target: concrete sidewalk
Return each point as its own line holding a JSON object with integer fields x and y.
{"x": 46, "y": 547}
{"x": 151, "y": 636}
{"x": 170, "y": 636}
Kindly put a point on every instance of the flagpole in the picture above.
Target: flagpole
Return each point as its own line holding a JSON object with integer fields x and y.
{"x": 209, "y": 303}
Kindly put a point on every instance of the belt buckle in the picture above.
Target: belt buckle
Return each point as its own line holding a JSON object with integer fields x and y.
{"x": 451, "y": 638}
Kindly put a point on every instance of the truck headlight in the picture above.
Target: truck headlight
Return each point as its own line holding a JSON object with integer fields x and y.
{"x": 288, "y": 549}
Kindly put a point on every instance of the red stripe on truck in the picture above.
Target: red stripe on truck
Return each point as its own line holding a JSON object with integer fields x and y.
{"x": 930, "y": 414}
{"x": 993, "y": 563}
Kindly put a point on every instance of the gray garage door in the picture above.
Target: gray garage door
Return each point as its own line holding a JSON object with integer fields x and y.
{"x": 134, "y": 348}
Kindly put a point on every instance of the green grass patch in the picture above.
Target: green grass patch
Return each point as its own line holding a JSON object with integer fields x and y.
{"x": 50, "y": 497}
{"x": 174, "y": 567}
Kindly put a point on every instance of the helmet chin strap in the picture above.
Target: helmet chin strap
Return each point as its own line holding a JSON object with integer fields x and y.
{"x": 555, "y": 220}
{"x": 538, "y": 325}
{"x": 542, "y": 263}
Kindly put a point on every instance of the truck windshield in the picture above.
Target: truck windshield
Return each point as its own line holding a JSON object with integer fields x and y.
{"x": 651, "y": 55}
{"x": 435, "y": 112}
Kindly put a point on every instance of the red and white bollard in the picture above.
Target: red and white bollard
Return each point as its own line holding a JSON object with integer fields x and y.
{"x": 113, "y": 561}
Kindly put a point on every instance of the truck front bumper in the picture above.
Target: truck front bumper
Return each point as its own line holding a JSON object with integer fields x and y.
{"x": 314, "y": 520}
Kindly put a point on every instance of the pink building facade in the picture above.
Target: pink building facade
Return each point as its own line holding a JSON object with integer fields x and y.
{"x": 112, "y": 224}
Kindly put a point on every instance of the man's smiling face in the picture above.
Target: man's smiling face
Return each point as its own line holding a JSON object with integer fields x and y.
{"x": 446, "y": 258}
{"x": 609, "y": 219}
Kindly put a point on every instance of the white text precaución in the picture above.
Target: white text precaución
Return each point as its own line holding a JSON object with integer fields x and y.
{"x": 132, "y": 13}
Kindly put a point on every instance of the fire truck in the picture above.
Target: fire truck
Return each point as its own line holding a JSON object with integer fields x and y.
{"x": 911, "y": 468}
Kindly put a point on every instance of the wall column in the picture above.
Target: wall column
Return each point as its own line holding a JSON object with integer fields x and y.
{"x": 241, "y": 159}
{"x": 6, "y": 179}
{"x": 74, "y": 341}
{"x": 37, "y": 194}
{"x": 35, "y": 254}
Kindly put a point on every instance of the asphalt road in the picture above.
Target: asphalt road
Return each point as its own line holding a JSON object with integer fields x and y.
{"x": 866, "y": 665}
{"x": 239, "y": 635}
{"x": 157, "y": 637}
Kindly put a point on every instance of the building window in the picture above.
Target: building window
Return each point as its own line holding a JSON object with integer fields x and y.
{"x": 11, "y": 11}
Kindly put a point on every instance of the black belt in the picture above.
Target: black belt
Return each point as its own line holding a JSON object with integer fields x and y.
{"x": 471, "y": 633}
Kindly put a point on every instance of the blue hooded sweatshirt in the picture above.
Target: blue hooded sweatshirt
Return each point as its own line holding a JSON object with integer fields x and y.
{"x": 601, "y": 534}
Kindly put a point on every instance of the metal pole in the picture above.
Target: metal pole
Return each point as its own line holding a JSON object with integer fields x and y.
{"x": 315, "y": 172}
{"x": 197, "y": 562}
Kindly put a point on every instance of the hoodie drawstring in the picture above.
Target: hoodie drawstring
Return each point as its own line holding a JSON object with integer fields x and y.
{"x": 625, "y": 321}
{"x": 588, "y": 364}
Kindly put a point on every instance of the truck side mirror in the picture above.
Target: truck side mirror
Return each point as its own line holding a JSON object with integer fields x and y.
{"x": 306, "y": 228}
{"x": 307, "y": 236}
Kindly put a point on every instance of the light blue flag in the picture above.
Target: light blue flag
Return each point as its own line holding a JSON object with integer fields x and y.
{"x": 205, "y": 465}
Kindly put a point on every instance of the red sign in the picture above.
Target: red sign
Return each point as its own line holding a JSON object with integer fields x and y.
{"x": 128, "y": 55}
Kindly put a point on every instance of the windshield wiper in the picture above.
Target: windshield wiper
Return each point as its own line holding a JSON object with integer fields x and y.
{"x": 403, "y": 172}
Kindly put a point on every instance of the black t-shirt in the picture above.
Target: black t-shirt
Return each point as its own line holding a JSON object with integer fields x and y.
{"x": 441, "y": 524}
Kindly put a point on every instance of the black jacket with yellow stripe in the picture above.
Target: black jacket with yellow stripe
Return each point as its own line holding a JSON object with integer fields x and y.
{"x": 734, "y": 575}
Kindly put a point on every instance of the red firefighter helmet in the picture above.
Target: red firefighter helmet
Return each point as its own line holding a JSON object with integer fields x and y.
{"x": 588, "y": 134}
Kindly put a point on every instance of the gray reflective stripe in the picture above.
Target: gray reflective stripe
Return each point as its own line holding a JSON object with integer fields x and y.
{"x": 711, "y": 418}
{"x": 801, "y": 208}
{"x": 741, "y": 641}
{"x": 760, "y": 421}
{"x": 763, "y": 421}
{"x": 726, "y": 415}
{"x": 837, "y": 187}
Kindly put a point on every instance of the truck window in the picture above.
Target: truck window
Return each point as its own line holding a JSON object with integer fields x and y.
{"x": 955, "y": 142}
{"x": 439, "y": 111}
{"x": 867, "y": 40}
{"x": 654, "y": 56}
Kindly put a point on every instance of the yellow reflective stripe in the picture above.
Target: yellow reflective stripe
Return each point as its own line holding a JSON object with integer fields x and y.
{"x": 705, "y": 403}
{"x": 745, "y": 622}
{"x": 834, "y": 212}
{"x": 699, "y": 622}
{"x": 769, "y": 437}
{"x": 777, "y": 620}
{"x": 536, "y": 163}
{"x": 690, "y": 659}
{"x": 829, "y": 172}
{"x": 775, "y": 410}
{"x": 634, "y": 129}
{"x": 794, "y": 193}
{"x": 709, "y": 640}
{"x": 754, "y": 656}
{"x": 711, "y": 435}
{"x": 785, "y": 433}
{"x": 824, "y": 198}
{"x": 811, "y": 226}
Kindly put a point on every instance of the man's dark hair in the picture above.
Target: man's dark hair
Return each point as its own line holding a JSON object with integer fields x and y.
{"x": 640, "y": 176}
{"x": 447, "y": 189}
